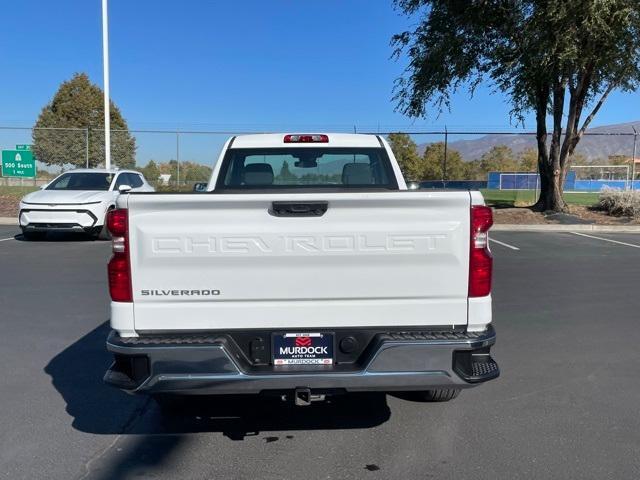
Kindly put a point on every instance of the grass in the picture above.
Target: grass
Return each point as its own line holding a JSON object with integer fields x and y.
{"x": 521, "y": 198}
{"x": 16, "y": 192}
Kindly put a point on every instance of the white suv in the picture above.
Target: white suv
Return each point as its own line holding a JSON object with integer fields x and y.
{"x": 77, "y": 201}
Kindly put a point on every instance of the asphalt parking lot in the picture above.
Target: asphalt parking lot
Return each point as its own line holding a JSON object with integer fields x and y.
{"x": 566, "y": 406}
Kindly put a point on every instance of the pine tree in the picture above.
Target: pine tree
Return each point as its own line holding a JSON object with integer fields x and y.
{"x": 78, "y": 104}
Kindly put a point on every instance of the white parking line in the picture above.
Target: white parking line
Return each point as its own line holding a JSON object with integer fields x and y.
{"x": 607, "y": 240}
{"x": 5, "y": 239}
{"x": 503, "y": 244}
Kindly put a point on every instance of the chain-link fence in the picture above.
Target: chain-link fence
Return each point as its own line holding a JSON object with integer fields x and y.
{"x": 176, "y": 159}
{"x": 475, "y": 158}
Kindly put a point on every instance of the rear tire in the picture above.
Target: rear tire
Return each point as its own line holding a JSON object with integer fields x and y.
{"x": 33, "y": 236}
{"x": 439, "y": 394}
{"x": 436, "y": 395}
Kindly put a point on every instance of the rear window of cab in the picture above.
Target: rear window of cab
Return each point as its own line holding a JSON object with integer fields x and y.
{"x": 305, "y": 167}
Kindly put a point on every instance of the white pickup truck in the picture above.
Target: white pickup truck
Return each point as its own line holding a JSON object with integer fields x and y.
{"x": 307, "y": 268}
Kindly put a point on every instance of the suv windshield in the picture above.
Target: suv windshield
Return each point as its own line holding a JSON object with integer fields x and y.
{"x": 82, "y": 181}
{"x": 308, "y": 167}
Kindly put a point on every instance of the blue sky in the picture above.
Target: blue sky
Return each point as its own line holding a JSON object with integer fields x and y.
{"x": 209, "y": 65}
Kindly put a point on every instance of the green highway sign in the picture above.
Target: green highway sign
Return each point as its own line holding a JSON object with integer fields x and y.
{"x": 23, "y": 147}
{"x": 18, "y": 163}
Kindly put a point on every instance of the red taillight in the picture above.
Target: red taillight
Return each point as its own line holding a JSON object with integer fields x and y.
{"x": 119, "y": 268}
{"x": 120, "y": 278}
{"x": 117, "y": 222}
{"x": 480, "y": 259}
{"x": 306, "y": 138}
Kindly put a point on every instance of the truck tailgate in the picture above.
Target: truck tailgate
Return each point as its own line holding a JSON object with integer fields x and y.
{"x": 224, "y": 261}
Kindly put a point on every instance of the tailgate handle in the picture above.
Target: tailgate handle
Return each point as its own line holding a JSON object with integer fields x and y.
{"x": 298, "y": 209}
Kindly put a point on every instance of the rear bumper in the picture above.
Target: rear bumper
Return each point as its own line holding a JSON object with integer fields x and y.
{"x": 208, "y": 364}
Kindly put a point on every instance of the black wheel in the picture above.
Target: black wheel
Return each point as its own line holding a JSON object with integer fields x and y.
{"x": 436, "y": 395}
{"x": 33, "y": 236}
{"x": 439, "y": 395}
{"x": 103, "y": 233}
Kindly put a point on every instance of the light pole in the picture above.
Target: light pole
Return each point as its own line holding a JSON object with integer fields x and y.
{"x": 105, "y": 66}
{"x": 633, "y": 158}
{"x": 86, "y": 145}
{"x": 178, "y": 161}
{"x": 444, "y": 165}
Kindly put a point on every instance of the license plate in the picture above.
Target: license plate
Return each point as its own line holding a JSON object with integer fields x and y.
{"x": 303, "y": 349}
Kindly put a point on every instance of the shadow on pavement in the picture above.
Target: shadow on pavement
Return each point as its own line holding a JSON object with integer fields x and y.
{"x": 145, "y": 457}
{"x": 246, "y": 415}
{"x": 164, "y": 437}
{"x": 152, "y": 440}
{"x": 77, "y": 373}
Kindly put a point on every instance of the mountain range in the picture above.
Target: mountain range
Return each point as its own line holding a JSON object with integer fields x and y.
{"x": 594, "y": 144}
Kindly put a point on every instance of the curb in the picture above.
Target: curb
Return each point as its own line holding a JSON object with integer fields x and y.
{"x": 565, "y": 228}
{"x": 8, "y": 221}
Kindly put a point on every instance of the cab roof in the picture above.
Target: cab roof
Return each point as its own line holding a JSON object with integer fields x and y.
{"x": 276, "y": 140}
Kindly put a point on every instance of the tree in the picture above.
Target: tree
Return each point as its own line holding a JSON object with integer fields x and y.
{"x": 172, "y": 168}
{"x": 151, "y": 171}
{"x": 498, "y": 159}
{"x": 406, "y": 152}
{"x": 190, "y": 171}
{"x": 557, "y": 58}
{"x": 473, "y": 171}
{"x": 285, "y": 175}
{"x": 619, "y": 160}
{"x": 581, "y": 159}
{"x": 433, "y": 164}
{"x": 528, "y": 160}
{"x": 194, "y": 172}
{"x": 78, "y": 104}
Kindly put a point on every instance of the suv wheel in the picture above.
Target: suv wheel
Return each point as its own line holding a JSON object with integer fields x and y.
{"x": 103, "y": 233}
